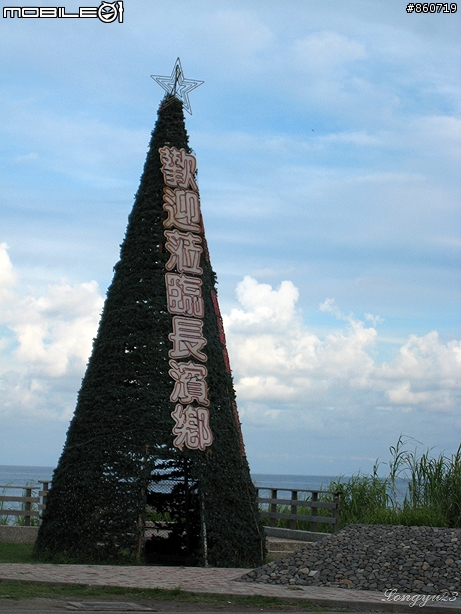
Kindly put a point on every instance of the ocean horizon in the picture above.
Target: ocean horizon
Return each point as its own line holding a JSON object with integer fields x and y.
{"x": 22, "y": 475}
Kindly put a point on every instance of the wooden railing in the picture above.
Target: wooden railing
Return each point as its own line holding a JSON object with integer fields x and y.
{"x": 31, "y": 503}
{"x": 272, "y": 507}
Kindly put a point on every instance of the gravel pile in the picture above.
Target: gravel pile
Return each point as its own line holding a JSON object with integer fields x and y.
{"x": 373, "y": 557}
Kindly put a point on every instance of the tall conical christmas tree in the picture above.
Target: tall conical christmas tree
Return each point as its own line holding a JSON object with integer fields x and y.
{"x": 157, "y": 400}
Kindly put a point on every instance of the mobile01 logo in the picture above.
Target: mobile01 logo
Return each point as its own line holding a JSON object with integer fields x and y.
{"x": 107, "y": 12}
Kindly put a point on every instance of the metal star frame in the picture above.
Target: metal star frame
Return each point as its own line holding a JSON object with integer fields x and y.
{"x": 177, "y": 85}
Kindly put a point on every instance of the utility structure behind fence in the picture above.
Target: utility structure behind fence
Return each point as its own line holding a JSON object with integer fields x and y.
{"x": 27, "y": 506}
{"x": 275, "y": 508}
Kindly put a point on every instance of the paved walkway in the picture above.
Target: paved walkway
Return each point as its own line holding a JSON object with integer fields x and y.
{"x": 212, "y": 581}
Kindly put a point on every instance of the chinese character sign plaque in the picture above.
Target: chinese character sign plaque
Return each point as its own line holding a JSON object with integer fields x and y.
{"x": 184, "y": 300}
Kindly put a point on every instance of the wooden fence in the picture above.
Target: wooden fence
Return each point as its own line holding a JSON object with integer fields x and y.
{"x": 274, "y": 508}
{"x": 34, "y": 498}
{"x": 31, "y": 503}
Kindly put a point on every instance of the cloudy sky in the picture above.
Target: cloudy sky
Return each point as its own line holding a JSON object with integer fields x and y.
{"x": 328, "y": 141}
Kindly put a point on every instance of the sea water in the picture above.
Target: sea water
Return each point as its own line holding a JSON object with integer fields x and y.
{"x": 293, "y": 482}
{"x": 15, "y": 475}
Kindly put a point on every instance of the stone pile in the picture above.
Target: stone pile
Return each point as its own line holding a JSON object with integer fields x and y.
{"x": 373, "y": 557}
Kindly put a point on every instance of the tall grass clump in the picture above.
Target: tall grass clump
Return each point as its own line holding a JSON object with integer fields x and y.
{"x": 435, "y": 484}
{"x": 432, "y": 495}
{"x": 419, "y": 490}
{"x": 364, "y": 498}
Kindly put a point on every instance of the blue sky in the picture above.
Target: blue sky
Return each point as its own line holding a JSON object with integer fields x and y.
{"x": 328, "y": 142}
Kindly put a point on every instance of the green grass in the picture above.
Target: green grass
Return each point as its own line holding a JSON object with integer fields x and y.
{"x": 18, "y": 591}
{"x": 16, "y": 553}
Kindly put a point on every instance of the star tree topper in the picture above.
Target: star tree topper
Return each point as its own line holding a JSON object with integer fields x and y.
{"x": 177, "y": 85}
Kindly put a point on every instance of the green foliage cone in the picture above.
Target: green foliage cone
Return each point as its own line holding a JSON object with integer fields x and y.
{"x": 122, "y": 427}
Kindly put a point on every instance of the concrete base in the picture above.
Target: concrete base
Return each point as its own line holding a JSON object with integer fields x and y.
{"x": 303, "y": 536}
{"x": 18, "y": 535}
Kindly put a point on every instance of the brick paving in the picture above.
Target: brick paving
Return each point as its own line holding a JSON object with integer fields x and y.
{"x": 210, "y": 581}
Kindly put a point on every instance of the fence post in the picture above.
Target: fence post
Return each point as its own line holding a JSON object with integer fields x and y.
{"x": 336, "y": 511}
{"x": 43, "y": 493}
{"x": 27, "y": 508}
{"x": 314, "y": 497}
{"x": 294, "y": 508}
{"x": 274, "y": 507}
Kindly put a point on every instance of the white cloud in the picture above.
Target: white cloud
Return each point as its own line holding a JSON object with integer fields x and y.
{"x": 26, "y": 157}
{"x": 329, "y": 306}
{"x": 264, "y": 305}
{"x": 424, "y": 373}
{"x": 357, "y": 138}
{"x": 93, "y": 151}
{"x": 440, "y": 134}
{"x": 278, "y": 361}
{"x": 7, "y": 276}
{"x": 323, "y": 52}
{"x": 288, "y": 378}
{"x": 54, "y": 331}
{"x": 49, "y": 342}
{"x": 369, "y": 317}
{"x": 221, "y": 29}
